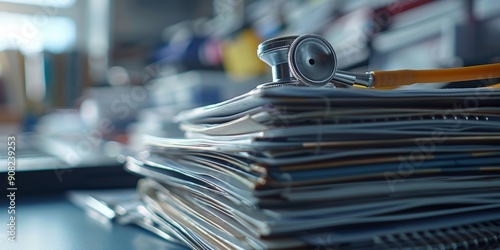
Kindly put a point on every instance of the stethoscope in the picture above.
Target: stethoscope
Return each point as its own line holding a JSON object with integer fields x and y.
{"x": 311, "y": 60}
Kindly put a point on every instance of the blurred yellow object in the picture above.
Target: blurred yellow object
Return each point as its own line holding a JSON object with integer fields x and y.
{"x": 239, "y": 58}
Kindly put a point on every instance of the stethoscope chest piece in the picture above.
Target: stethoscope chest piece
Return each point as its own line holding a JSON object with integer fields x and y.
{"x": 307, "y": 60}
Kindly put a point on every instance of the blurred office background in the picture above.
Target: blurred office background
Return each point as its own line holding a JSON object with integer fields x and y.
{"x": 97, "y": 74}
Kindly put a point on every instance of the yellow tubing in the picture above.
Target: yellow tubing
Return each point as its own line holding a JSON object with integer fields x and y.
{"x": 405, "y": 77}
{"x": 494, "y": 86}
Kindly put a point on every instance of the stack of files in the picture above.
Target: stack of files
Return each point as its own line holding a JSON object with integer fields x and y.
{"x": 329, "y": 168}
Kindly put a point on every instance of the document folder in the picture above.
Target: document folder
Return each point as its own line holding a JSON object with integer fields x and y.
{"x": 298, "y": 167}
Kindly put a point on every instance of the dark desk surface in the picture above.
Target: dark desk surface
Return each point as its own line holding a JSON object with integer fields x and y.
{"x": 52, "y": 222}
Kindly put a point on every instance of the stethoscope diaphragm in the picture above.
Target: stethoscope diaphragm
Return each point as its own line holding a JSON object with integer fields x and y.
{"x": 312, "y": 60}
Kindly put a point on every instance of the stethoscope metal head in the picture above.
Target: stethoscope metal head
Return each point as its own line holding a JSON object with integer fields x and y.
{"x": 309, "y": 59}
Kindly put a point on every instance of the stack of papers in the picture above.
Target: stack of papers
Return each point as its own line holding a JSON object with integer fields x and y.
{"x": 298, "y": 167}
